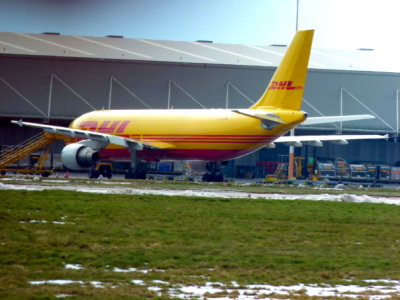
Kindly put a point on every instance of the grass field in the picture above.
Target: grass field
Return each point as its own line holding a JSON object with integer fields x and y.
{"x": 187, "y": 241}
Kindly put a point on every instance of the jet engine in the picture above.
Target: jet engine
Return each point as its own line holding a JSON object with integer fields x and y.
{"x": 77, "y": 156}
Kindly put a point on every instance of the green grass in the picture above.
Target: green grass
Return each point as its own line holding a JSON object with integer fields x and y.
{"x": 248, "y": 241}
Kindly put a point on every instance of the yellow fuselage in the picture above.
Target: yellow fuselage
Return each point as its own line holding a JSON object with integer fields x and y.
{"x": 197, "y": 134}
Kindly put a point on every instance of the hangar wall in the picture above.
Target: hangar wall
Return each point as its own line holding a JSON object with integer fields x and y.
{"x": 65, "y": 88}
{"x": 358, "y": 93}
{"x": 60, "y": 89}
{"x": 91, "y": 80}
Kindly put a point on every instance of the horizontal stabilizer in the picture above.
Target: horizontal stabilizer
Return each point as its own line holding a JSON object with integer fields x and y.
{"x": 332, "y": 119}
{"x": 264, "y": 115}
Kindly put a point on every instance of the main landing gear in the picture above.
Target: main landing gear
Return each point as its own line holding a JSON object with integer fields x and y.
{"x": 104, "y": 169}
{"x": 214, "y": 169}
{"x": 138, "y": 169}
{"x": 139, "y": 172}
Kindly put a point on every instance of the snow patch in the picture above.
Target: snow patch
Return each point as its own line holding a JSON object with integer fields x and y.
{"x": 55, "y": 181}
{"x": 19, "y": 187}
{"x": 96, "y": 284}
{"x": 44, "y": 221}
{"x": 255, "y": 291}
{"x": 160, "y": 282}
{"x": 385, "y": 289}
{"x": 33, "y": 221}
{"x": 56, "y": 282}
{"x": 155, "y": 289}
{"x": 130, "y": 270}
{"x": 73, "y": 267}
{"x": 138, "y": 282}
{"x": 210, "y": 193}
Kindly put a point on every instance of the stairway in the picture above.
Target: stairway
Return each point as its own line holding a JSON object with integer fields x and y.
{"x": 12, "y": 154}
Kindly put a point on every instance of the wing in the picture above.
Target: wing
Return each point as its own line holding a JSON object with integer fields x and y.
{"x": 102, "y": 138}
{"x": 316, "y": 140}
{"x": 331, "y": 119}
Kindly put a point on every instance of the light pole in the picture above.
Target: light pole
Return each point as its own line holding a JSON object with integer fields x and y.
{"x": 291, "y": 148}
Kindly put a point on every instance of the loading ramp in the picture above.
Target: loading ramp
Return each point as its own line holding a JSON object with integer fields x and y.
{"x": 12, "y": 154}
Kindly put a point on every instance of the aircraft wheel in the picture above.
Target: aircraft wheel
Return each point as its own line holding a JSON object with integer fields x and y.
{"x": 108, "y": 174}
{"x": 128, "y": 174}
{"x": 213, "y": 177}
{"x": 140, "y": 174}
{"x": 206, "y": 177}
{"x": 219, "y": 178}
{"x": 93, "y": 173}
{"x": 137, "y": 174}
{"x": 106, "y": 171}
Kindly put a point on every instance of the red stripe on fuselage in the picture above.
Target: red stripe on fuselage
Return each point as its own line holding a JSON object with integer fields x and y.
{"x": 195, "y": 135}
{"x": 205, "y": 141}
{"x": 247, "y": 139}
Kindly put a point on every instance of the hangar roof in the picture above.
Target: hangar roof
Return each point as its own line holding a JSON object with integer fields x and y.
{"x": 201, "y": 52}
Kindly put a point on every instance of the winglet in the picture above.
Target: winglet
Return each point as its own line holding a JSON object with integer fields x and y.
{"x": 19, "y": 122}
{"x": 287, "y": 85}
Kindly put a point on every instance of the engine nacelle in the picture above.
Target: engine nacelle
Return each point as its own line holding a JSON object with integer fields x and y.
{"x": 77, "y": 156}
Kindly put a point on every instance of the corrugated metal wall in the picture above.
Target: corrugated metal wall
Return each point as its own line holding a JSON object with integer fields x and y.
{"x": 38, "y": 87}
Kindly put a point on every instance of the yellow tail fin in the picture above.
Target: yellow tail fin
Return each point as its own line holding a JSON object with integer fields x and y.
{"x": 287, "y": 85}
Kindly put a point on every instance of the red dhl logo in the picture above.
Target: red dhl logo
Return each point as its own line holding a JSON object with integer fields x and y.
{"x": 283, "y": 85}
{"x": 105, "y": 126}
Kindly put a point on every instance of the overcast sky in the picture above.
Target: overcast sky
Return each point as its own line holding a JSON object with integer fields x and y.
{"x": 339, "y": 24}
